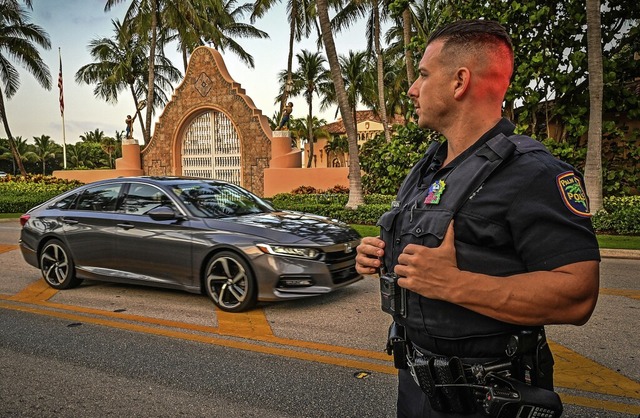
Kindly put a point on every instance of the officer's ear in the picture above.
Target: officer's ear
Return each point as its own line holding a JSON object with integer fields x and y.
{"x": 461, "y": 82}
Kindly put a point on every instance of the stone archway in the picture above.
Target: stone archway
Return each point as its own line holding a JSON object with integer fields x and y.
{"x": 208, "y": 89}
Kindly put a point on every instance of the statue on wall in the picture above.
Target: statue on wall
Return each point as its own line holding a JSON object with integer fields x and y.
{"x": 129, "y": 121}
{"x": 286, "y": 115}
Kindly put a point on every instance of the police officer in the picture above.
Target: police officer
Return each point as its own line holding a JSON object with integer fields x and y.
{"x": 490, "y": 235}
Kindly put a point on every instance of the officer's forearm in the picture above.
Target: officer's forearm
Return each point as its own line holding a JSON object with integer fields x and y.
{"x": 566, "y": 295}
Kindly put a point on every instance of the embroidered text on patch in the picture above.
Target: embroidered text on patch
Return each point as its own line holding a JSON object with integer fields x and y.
{"x": 573, "y": 194}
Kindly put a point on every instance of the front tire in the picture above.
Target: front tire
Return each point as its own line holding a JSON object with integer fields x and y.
{"x": 229, "y": 282}
{"x": 57, "y": 266}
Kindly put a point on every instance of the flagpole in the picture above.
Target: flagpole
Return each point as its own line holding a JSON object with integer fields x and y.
{"x": 64, "y": 134}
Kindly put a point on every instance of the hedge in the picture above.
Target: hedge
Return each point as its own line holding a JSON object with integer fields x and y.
{"x": 18, "y": 194}
{"x": 621, "y": 215}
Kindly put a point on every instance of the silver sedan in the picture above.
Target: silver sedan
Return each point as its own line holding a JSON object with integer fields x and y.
{"x": 198, "y": 235}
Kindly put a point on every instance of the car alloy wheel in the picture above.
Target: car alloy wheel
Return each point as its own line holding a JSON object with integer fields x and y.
{"x": 230, "y": 283}
{"x": 57, "y": 266}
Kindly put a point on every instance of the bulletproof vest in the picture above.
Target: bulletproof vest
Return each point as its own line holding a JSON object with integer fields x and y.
{"x": 412, "y": 222}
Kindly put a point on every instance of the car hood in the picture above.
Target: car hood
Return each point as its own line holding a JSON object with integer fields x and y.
{"x": 288, "y": 227}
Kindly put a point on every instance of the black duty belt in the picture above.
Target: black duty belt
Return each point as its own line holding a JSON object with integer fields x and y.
{"x": 501, "y": 387}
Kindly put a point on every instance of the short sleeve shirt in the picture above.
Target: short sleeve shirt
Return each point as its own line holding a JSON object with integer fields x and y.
{"x": 532, "y": 209}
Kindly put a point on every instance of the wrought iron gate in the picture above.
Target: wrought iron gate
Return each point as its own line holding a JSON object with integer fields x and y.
{"x": 211, "y": 148}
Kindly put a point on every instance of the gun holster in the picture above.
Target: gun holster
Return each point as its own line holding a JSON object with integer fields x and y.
{"x": 397, "y": 345}
{"x": 532, "y": 358}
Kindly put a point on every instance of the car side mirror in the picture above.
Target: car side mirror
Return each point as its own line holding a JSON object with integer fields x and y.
{"x": 163, "y": 213}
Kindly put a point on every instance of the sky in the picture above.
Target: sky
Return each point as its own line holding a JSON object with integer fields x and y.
{"x": 72, "y": 24}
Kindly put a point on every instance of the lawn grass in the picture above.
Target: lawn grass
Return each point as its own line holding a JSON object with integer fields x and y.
{"x": 10, "y": 215}
{"x": 618, "y": 242}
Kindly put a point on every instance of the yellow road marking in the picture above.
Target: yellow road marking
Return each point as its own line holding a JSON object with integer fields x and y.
{"x": 251, "y": 325}
{"x": 600, "y": 404}
{"x": 36, "y": 291}
{"x": 574, "y": 371}
{"x": 629, "y": 293}
{"x": 282, "y": 352}
{"x": 6, "y": 248}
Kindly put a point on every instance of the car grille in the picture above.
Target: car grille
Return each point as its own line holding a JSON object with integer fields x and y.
{"x": 342, "y": 265}
{"x": 344, "y": 275}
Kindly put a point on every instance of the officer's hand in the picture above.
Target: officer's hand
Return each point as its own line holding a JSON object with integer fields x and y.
{"x": 428, "y": 271}
{"x": 369, "y": 252}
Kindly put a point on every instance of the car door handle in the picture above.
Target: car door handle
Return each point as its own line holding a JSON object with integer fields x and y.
{"x": 126, "y": 226}
{"x": 70, "y": 221}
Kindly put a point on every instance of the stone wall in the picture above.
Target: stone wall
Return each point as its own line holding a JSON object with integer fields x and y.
{"x": 207, "y": 86}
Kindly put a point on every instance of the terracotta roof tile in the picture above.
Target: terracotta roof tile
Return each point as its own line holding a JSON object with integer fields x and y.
{"x": 337, "y": 127}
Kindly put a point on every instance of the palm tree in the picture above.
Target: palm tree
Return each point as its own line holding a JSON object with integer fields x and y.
{"x": 19, "y": 40}
{"x": 371, "y": 8}
{"x": 95, "y": 136}
{"x": 24, "y": 151}
{"x": 214, "y": 23}
{"x": 121, "y": 63}
{"x": 593, "y": 165}
{"x": 355, "y": 181}
{"x": 145, "y": 14}
{"x": 191, "y": 21}
{"x": 356, "y": 71}
{"x": 301, "y": 127}
{"x": 77, "y": 155}
{"x": 337, "y": 147}
{"x": 109, "y": 146}
{"x": 45, "y": 149}
{"x": 301, "y": 17}
{"x": 310, "y": 78}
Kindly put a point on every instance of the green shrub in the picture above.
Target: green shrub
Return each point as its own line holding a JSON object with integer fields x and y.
{"x": 21, "y": 193}
{"x": 621, "y": 215}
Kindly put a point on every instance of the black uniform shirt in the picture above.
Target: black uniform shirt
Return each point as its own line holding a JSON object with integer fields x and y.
{"x": 522, "y": 207}
{"x": 530, "y": 214}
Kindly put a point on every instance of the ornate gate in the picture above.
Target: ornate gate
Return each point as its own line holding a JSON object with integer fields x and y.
{"x": 211, "y": 148}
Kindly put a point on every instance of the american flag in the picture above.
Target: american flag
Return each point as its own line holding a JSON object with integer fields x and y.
{"x": 61, "y": 90}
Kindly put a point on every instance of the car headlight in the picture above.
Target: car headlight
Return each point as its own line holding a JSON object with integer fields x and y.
{"x": 299, "y": 252}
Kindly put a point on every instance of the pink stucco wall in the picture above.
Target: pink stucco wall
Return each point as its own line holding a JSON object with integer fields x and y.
{"x": 284, "y": 180}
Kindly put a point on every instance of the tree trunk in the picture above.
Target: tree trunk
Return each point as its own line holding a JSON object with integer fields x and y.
{"x": 310, "y": 133}
{"x": 593, "y": 165}
{"x": 152, "y": 69}
{"x": 382, "y": 102}
{"x": 406, "y": 35}
{"x": 355, "y": 182}
{"x": 12, "y": 144}
{"x": 137, "y": 103}
{"x": 292, "y": 32}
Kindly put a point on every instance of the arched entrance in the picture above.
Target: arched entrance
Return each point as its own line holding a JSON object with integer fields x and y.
{"x": 210, "y": 128}
{"x": 211, "y": 148}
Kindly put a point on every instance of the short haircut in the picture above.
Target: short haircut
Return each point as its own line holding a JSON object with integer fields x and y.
{"x": 471, "y": 32}
{"x": 472, "y": 35}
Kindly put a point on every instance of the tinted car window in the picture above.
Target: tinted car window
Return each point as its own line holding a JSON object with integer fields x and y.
{"x": 141, "y": 198}
{"x": 215, "y": 200}
{"x": 100, "y": 198}
{"x": 66, "y": 203}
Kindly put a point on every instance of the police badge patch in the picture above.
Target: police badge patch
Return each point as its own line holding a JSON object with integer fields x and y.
{"x": 573, "y": 193}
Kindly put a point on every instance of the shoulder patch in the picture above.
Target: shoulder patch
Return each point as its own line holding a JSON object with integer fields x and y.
{"x": 573, "y": 193}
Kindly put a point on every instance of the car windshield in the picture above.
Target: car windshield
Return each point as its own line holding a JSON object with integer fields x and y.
{"x": 211, "y": 199}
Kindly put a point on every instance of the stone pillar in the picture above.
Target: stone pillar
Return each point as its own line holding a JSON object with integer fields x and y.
{"x": 130, "y": 156}
{"x": 282, "y": 154}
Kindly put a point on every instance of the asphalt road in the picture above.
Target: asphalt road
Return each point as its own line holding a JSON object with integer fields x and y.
{"x": 111, "y": 350}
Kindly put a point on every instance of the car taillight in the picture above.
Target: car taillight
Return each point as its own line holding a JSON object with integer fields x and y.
{"x": 24, "y": 218}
